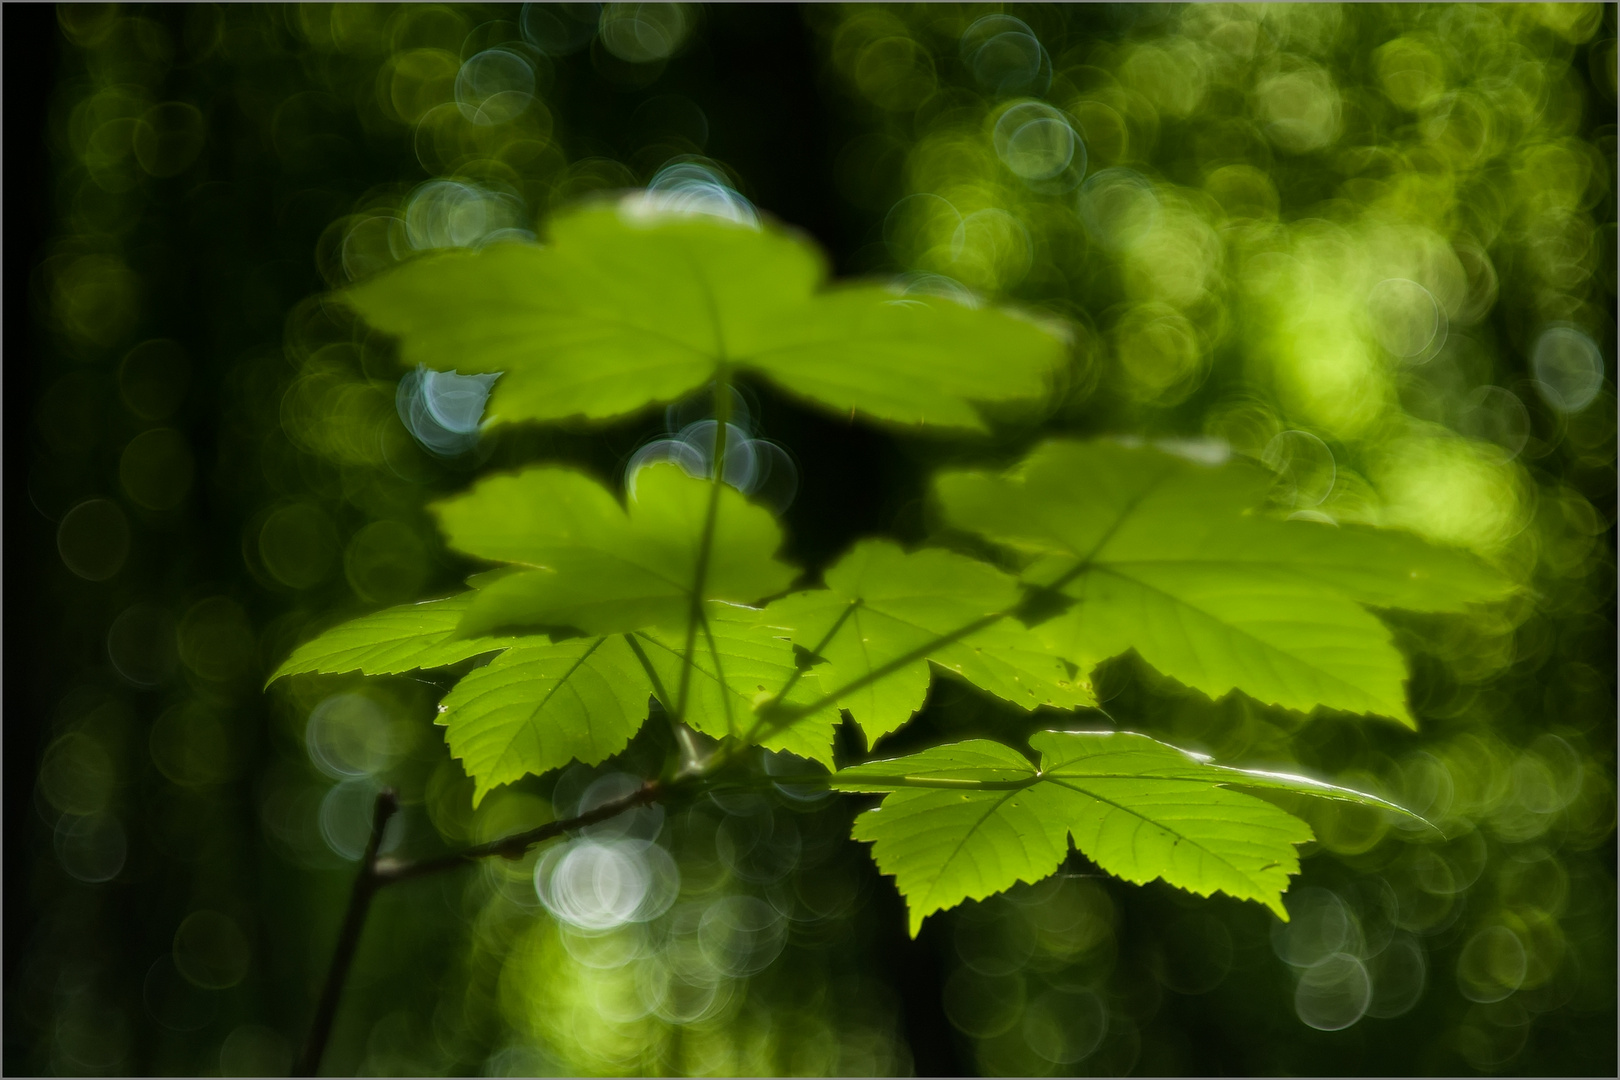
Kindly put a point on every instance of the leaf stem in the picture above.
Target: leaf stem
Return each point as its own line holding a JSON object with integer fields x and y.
{"x": 719, "y": 671}
{"x": 773, "y": 716}
{"x": 722, "y": 417}
{"x": 657, "y": 686}
{"x": 780, "y": 717}
{"x": 733, "y": 748}
{"x": 826, "y": 639}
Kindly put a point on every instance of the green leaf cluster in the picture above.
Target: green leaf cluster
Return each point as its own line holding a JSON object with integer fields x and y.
{"x": 678, "y": 595}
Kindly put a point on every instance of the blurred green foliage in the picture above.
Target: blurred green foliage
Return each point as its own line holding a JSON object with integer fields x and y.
{"x": 1370, "y": 245}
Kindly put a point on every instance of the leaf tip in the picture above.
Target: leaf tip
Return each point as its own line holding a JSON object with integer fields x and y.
{"x": 290, "y": 666}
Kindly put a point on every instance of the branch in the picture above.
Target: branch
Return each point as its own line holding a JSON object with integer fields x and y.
{"x": 354, "y": 921}
{"x": 389, "y": 871}
{"x": 376, "y": 873}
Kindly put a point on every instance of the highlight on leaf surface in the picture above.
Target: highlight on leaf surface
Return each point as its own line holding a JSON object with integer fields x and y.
{"x": 1166, "y": 555}
{"x": 966, "y": 820}
{"x": 590, "y": 564}
{"x": 622, "y": 310}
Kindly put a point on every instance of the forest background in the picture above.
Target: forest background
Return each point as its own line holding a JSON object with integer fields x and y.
{"x": 1371, "y": 245}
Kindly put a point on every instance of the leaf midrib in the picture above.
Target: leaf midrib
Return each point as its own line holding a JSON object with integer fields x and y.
{"x": 1143, "y": 819}
{"x": 530, "y": 722}
{"x": 1269, "y": 649}
{"x": 586, "y": 334}
{"x": 962, "y": 841}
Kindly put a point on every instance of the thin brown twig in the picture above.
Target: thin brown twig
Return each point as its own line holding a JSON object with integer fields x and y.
{"x": 354, "y": 921}
{"x": 389, "y": 871}
{"x": 375, "y": 873}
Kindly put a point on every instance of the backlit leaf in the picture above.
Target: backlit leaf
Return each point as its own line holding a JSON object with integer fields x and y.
{"x": 539, "y": 706}
{"x": 967, "y": 820}
{"x": 816, "y": 621}
{"x": 887, "y": 613}
{"x": 624, "y": 308}
{"x": 396, "y": 639}
{"x": 1163, "y": 554}
{"x": 602, "y": 568}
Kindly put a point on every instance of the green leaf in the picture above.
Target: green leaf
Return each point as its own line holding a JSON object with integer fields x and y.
{"x": 395, "y": 639}
{"x": 1163, "y": 554}
{"x": 738, "y": 664}
{"x": 970, "y": 819}
{"x": 625, "y": 308}
{"x": 1009, "y": 661}
{"x": 815, "y": 621}
{"x": 957, "y": 841}
{"x": 608, "y": 569}
{"x": 528, "y": 517}
{"x": 919, "y": 360}
{"x": 537, "y": 707}
{"x": 887, "y": 613}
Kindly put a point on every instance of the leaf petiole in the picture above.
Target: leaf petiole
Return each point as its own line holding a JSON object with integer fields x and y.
{"x": 774, "y": 716}
{"x": 722, "y": 417}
